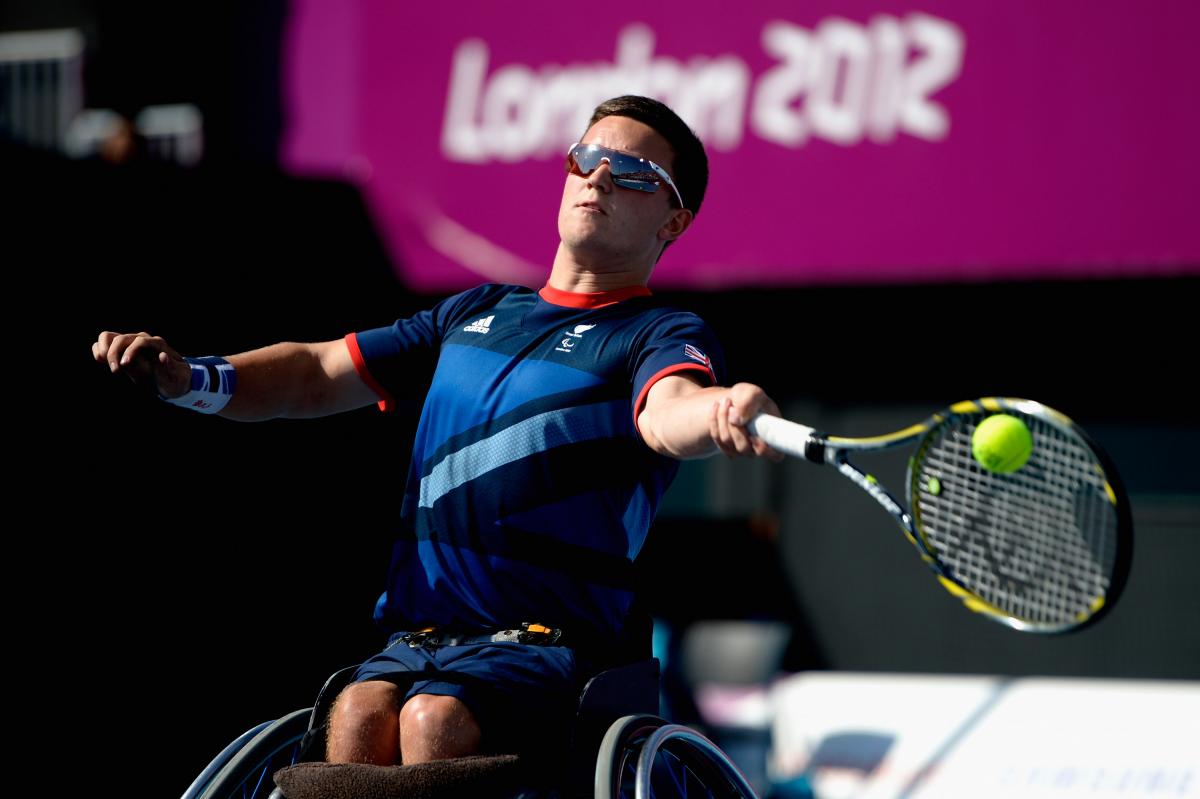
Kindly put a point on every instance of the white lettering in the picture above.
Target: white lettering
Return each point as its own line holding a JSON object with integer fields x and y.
{"x": 635, "y": 56}
{"x": 842, "y": 83}
{"x": 509, "y": 106}
{"x": 839, "y": 87}
{"x": 459, "y": 136}
{"x": 773, "y": 116}
{"x": 845, "y": 80}
{"x": 887, "y": 78}
{"x": 941, "y": 45}
{"x": 518, "y": 113}
{"x": 714, "y": 100}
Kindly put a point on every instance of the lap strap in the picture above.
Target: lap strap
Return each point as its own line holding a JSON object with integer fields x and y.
{"x": 529, "y": 633}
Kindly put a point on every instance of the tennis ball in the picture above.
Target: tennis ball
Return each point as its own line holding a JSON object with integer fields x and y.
{"x": 1002, "y": 443}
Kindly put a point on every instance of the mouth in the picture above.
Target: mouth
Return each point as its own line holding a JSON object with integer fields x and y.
{"x": 591, "y": 207}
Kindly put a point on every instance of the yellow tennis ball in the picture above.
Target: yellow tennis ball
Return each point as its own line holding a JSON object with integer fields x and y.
{"x": 1002, "y": 443}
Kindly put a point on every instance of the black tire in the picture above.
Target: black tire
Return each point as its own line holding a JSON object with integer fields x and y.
{"x": 679, "y": 763}
{"x": 248, "y": 774}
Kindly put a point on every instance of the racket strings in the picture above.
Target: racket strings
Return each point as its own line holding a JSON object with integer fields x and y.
{"x": 1039, "y": 543}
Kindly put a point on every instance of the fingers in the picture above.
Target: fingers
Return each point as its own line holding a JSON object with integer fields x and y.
{"x": 145, "y": 359}
{"x": 122, "y": 349}
{"x": 142, "y": 345}
{"x": 730, "y": 414}
{"x": 764, "y": 404}
{"x": 112, "y": 348}
{"x": 731, "y": 436}
{"x": 102, "y": 347}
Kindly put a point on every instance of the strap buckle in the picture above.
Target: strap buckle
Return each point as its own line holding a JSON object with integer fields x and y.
{"x": 419, "y": 639}
{"x": 538, "y": 634}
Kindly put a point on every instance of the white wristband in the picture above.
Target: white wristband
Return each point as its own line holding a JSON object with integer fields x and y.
{"x": 213, "y": 381}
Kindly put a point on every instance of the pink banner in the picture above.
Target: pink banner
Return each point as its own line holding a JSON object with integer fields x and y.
{"x": 849, "y": 141}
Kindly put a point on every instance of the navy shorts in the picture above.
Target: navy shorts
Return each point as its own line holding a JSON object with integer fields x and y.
{"x": 523, "y": 697}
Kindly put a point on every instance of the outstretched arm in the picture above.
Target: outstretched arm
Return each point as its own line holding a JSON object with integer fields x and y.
{"x": 684, "y": 420}
{"x": 286, "y": 380}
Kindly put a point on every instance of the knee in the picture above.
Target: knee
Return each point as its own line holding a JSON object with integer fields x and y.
{"x": 432, "y": 715}
{"x": 440, "y": 723}
{"x": 363, "y": 725}
{"x": 365, "y": 704}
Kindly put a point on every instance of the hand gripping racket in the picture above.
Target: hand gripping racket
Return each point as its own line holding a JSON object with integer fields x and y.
{"x": 1045, "y": 548}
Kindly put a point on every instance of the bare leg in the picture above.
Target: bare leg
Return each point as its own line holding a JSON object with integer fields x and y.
{"x": 437, "y": 727}
{"x": 364, "y": 726}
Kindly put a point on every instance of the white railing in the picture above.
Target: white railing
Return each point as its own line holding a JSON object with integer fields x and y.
{"x": 41, "y": 104}
{"x": 41, "y": 85}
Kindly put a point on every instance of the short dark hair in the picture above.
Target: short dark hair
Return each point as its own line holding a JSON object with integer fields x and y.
{"x": 690, "y": 167}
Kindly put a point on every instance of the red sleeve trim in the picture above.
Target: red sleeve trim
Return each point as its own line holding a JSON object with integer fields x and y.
{"x": 678, "y": 367}
{"x": 388, "y": 403}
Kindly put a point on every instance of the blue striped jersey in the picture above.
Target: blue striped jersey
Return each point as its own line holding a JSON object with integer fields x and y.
{"x": 530, "y": 492}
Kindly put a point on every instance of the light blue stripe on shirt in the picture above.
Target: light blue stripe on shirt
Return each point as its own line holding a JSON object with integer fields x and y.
{"x": 536, "y": 434}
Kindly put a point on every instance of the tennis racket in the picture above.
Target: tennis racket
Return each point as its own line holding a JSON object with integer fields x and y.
{"x": 1045, "y": 548}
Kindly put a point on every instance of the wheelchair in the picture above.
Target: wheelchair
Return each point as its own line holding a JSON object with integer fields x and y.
{"x": 636, "y": 755}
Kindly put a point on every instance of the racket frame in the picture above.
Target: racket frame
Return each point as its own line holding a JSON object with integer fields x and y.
{"x": 806, "y": 442}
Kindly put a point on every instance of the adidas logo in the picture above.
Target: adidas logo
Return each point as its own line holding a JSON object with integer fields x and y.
{"x": 483, "y": 325}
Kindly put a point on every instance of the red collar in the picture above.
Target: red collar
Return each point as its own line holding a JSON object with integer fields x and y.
{"x": 591, "y": 299}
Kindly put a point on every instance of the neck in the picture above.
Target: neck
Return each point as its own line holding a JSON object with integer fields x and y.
{"x": 570, "y": 273}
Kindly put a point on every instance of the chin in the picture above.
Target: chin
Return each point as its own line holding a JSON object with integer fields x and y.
{"x": 591, "y": 249}
{"x": 580, "y": 235}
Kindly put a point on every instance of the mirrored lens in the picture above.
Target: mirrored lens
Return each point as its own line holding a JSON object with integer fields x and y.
{"x": 643, "y": 180}
{"x": 628, "y": 171}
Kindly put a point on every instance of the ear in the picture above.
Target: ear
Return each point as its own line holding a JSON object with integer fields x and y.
{"x": 679, "y": 221}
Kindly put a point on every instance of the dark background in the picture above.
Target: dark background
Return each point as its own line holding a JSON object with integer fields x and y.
{"x": 192, "y": 576}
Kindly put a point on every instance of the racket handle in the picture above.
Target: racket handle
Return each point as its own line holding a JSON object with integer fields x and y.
{"x": 784, "y": 436}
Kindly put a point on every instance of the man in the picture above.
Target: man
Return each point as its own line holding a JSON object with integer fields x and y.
{"x": 554, "y": 423}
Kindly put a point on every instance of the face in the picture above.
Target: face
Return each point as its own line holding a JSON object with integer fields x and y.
{"x": 602, "y": 222}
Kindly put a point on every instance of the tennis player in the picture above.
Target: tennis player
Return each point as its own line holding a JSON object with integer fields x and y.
{"x": 554, "y": 423}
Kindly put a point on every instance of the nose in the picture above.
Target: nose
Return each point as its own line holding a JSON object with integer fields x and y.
{"x": 601, "y": 176}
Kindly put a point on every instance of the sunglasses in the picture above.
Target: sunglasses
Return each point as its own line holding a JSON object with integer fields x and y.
{"x": 628, "y": 171}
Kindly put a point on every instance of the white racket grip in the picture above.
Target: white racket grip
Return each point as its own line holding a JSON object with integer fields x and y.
{"x": 780, "y": 434}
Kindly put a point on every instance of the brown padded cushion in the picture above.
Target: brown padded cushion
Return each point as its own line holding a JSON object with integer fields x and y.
{"x": 481, "y": 776}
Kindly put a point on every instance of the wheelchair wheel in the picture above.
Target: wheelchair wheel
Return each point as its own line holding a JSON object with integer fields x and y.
{"x": 244, "y": 772}
{"x": 643, "y": 757}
